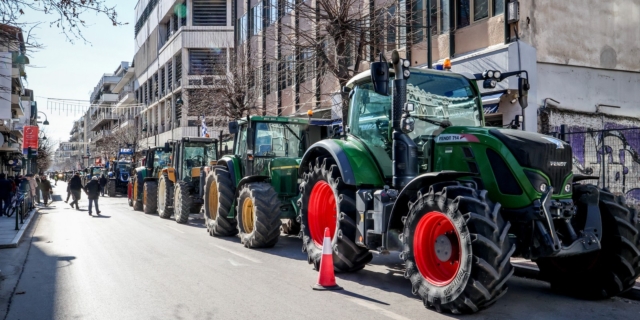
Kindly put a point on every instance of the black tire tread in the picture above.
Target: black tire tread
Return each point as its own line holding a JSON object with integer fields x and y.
{"x": 615, "y": 268}
{"x": 182, "y": 209}
{"x": 267, "y": 215}
{"x": 346, "y": 257}
{"x": 221, "y": 226}
{"x": 491, "y": 250}
{"x": 167, "y": 211}
{"x": 151, "y": 189}
{"x": 111, "y": 188}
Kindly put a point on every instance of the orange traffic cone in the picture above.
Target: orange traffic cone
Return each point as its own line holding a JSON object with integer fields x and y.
{"x": 326, "y": 277}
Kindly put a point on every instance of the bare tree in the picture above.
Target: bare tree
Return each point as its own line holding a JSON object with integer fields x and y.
{"x": 68, "y": 15}
{"x": 226, "y": 93}
{"x": 324, "y": 43}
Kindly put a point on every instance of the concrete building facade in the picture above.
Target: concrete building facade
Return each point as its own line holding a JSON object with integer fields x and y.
{"x": 180, "y": 45}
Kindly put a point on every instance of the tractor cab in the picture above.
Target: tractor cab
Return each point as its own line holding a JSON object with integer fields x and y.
{"x": 188, "y": 156}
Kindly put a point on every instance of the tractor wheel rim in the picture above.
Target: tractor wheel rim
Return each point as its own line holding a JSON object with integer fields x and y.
{"x": 436, "y": 246}
{"x": 322, "y": 212}
{"x": 144, "y": 197}
{"x": 134, "y": 196}
{"x": 247, "y": 215}
{"x": 213, "y": 201}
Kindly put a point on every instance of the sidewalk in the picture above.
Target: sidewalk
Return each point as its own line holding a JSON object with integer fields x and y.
{"x": 9, "y": 236}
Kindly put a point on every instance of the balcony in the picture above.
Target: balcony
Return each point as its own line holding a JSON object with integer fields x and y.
{"x": 102, "y": 118}
{"x": 106, "y": 79}
{"x": 101, "y": 135}
{"x": 106, "y": 98}
{"x": 175, "y": 134}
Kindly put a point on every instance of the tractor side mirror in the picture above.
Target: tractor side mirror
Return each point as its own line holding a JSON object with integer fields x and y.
{"x": 233, "y": 127}
{"x": 167, "y": 148}
{"x": 523, "y": 92}
{"x": 250, "y": 138}
{"x": 380, "y": 77}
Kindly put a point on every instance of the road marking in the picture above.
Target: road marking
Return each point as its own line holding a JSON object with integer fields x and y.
{"x": 174, "y": 229}
{"x": 238, "y": 254}
{"x": 236, "y": 264}
{"x": 373, "y": 307}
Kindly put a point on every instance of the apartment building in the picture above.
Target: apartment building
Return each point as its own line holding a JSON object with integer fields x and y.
{"x": 17, "y": 106}
{"x": 574, "y": 64}
{"x": 180, "y": 46}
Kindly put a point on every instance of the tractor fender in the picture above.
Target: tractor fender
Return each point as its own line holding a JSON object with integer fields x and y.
{"x": 401, "y": 205}
{"x": 229, "y": 164}
{"x": 331, "y": 148}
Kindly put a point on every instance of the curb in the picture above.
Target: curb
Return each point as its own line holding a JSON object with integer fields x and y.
{"x": 532, "y": 272}
{"x": 14, "y": 242}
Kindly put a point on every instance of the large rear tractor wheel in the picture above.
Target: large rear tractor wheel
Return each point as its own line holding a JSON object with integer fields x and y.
{"x": 218, "y": 198}
{"x": 111, "y": 188}
{"x": 182, "y": 202}
{"x": 165, "y": 197}
{"x": 137, "y": 202}
{"x": 327, "y": 202}
{"x": 615, "y": 267}
{"x": 258, "y": 215}
{"x": 150, "y": 197}
{"x": 456, "y": 249}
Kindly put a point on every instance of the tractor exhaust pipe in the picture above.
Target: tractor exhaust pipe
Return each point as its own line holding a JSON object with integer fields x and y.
{"x": 405, "y": 151}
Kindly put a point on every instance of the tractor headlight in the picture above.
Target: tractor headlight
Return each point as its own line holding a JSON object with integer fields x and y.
{"x": 497, "y": 74}
{"x": 567, "y": 188}
{"x": 543, "y": 187}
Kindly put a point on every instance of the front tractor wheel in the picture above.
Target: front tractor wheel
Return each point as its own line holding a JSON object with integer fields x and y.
{"x": 150, "y": 197}
{"x": 111, "y": 188}
{"x": 456, "y": 249}
{"x": 615, "y": 267}
{"x": 326, "y": 202}
{"x": 258, "y": 215}
{"x": 218, "y": 199}
{"x": 165, "y": 197}
{"x": 182, "y": 202}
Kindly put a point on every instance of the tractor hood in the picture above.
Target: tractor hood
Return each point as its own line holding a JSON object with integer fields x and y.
{"x": 536, "y": 151}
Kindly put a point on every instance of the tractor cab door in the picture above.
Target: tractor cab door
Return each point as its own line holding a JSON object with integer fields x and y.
{"x": 241, "y": 147}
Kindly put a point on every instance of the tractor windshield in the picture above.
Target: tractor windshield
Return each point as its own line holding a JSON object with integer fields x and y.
{"x": 275, "y": 139}
{"x": 437, "y": 98}
{"x": 160, "y": 158}
{"x": 197, "y": 154}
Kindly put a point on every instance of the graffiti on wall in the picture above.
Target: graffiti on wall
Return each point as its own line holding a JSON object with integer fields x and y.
{"x": 611, "y": 154}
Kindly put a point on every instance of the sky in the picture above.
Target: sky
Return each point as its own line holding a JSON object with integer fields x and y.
{"x": 66, "y": 70}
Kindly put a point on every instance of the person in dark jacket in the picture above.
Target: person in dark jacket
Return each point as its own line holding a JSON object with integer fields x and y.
{"x": 92, "y": 189}
{"x": 5, "y": 194}
{"x": 47, "y": 190}
{"x": 38, "y": 188}
{"x": 103, "y": 184}
{"x": 75, "y": 186}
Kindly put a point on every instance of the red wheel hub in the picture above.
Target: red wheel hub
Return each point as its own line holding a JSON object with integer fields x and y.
{"x": 436, "y": 246}
{"x": 322, "y": 212}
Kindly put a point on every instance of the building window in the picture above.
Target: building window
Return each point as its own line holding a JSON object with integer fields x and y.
{"x": 207, "y": 61}
{"x": 209, "y": 13}
{"x": 463, "y": 13}
{"x": 267, "y": 78}
{"x": 255, "y": 20}
{"x": 271, "y": 12}
{"x": 290, "y": 69}
{"x": 289, "y": 5}
{"x": 243, "y": 27}
{"x": 480, "y": 9}
{"x": 498, "y": 7}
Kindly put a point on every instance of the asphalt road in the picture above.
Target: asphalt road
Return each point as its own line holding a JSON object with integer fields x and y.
{"x": 128, "y": 265}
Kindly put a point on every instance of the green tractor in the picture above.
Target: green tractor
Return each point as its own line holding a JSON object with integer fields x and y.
{"x": 177, "y": 181}
{"x": 253, "y": 190}
{"x": 418, "y": 173}
{"x": 154, "y": 160}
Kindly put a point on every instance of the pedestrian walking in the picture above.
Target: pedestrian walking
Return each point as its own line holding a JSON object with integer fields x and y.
{"x": 55, "y": 177}
{"x": 47, "y": 190}
{"x": 33, "y": 187}
{"x": 103, "y": 184}
{"x": 92, "y": 189}
{"x": 75, "y": 187}
{"x": 38, "y": 188}
{"x": 5, "y": 194}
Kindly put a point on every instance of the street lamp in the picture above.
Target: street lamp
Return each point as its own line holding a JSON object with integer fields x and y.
{"x": 46, "y": 121}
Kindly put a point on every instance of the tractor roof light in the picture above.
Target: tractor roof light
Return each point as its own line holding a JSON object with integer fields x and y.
{"x": 447, "y": 64}
{"x": 497, "y": 74}
{"x": 487, "y": 74}
{"x": 406, "y": 63}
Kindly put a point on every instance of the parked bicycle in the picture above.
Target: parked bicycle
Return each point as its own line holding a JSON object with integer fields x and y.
{"x": 18, "y": 205}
